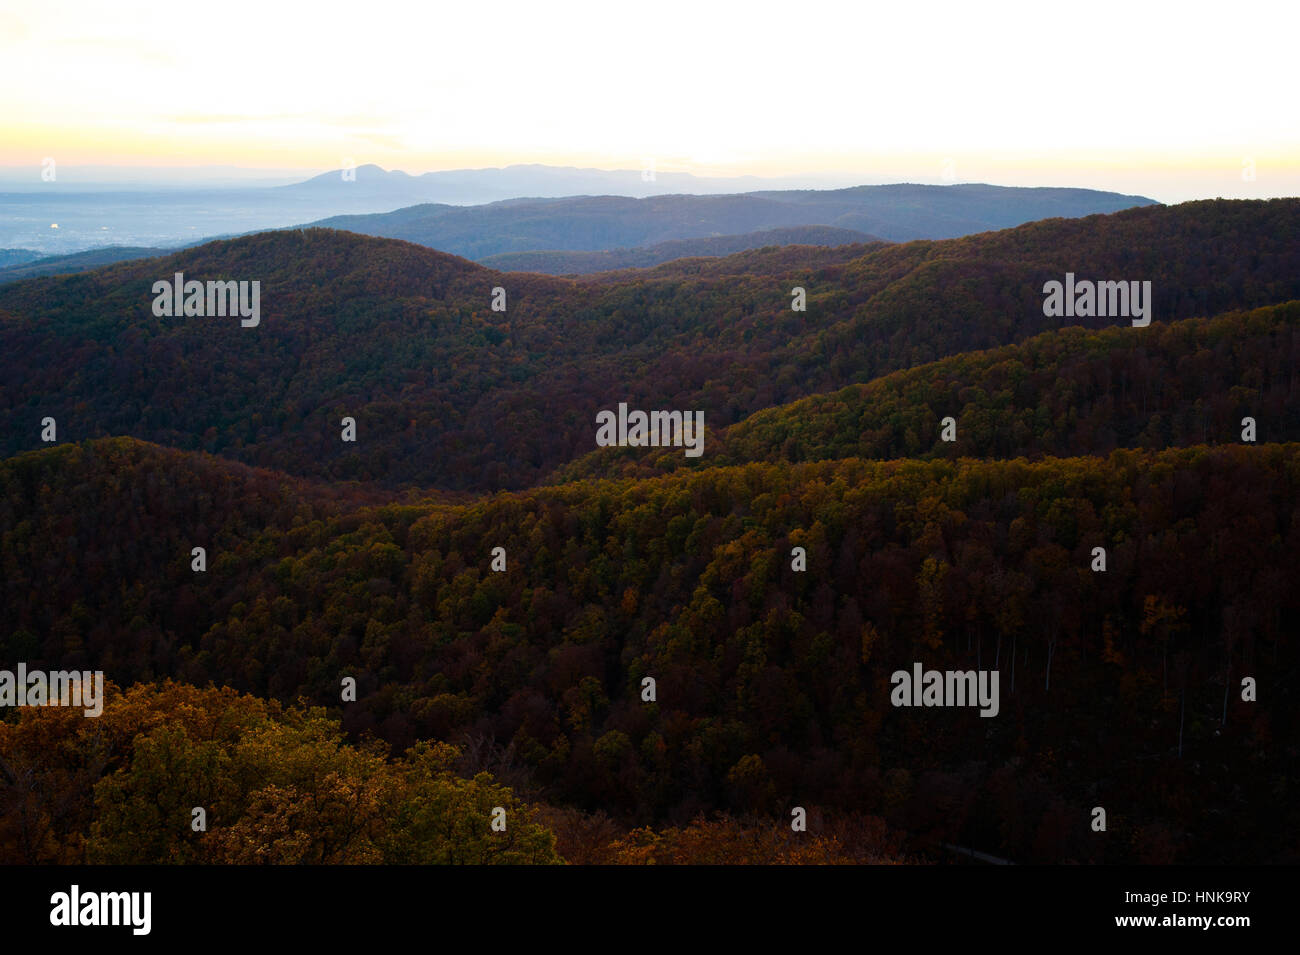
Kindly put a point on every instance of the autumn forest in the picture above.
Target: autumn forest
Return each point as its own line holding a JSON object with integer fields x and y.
{"x": 496, "y": 590}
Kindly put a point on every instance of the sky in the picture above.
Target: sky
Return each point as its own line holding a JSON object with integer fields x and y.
{"x": 1169, "y": 100}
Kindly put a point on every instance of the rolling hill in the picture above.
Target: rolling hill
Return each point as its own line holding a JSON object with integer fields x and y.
{"x": 1061, "y": 393}
{"x": 447, "y": 393}
{"x": 75, "y": 262}
{"x": 772, "y": 684}
{"x": 576, "y": 263}
{"x": 826, "y": 539}
{"x": 591, "y": 223}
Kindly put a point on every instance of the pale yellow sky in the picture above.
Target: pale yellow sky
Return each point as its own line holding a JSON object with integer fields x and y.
{"x": 1122, "y": 95}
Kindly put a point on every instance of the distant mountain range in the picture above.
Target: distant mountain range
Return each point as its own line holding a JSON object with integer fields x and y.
{"x": 563, "y": 262}
{"x": 30, "y": 264}
{"x": 453, "y": 395}
{"x": 82, "y": 210}
{"x": 631, "y": 232}
{"x": 589, "y": 223}
{"x": 10, "y": 257}
{"x": 477, "y": 186}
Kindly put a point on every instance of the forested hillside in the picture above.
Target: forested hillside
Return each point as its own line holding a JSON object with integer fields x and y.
{"x": 772, "y": 685}
{"x": 605, "y": 260}
{"x": 1103, "y": 531}
{"x": 897, "y": 213}
{"x": 1061, "y": 393}
{"x": 35, "y": 264}
{"x": 448, "y": 393}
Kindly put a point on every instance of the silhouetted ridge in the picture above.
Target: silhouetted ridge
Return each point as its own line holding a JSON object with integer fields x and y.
{"x": 448, "y": 392}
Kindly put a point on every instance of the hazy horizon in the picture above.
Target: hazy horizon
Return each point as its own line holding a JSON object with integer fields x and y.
{"x": 847, "y": 95}
{"x": 1169, "y": 188}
